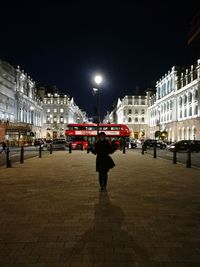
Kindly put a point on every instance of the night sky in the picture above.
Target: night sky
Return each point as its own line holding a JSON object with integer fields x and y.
{"x": 65, "y": 43}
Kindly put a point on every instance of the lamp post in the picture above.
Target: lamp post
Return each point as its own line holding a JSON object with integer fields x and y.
{"x": 98, "y": 80}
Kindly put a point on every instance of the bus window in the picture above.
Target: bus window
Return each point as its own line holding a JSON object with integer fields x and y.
{"x": 90, "y": 128}
{"x": 79, "y": 127}
{"x": 115, "y": 128}
{"x": 105, "y": 128}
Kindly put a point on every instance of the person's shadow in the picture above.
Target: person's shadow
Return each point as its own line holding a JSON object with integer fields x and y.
{"x": 106, "y": 242}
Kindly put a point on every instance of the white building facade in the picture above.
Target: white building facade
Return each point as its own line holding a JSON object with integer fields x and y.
{"x": 132, "y": 111}
{"x": 58, "y": 111}
{"x": 20, "y": 108}
{"x": 175, "y": 108}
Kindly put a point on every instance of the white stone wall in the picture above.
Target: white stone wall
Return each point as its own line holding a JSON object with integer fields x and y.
{"x": 7, "y": 93}
{"x": 59, "y": 110}
{"x": 177, "y": 105}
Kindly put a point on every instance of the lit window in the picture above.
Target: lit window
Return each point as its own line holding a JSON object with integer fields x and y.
{"x": 55, "y": 119}
{"x": 61, "y": 119}
{"x": 48, "y": 110}
{"x": 61, "y": 110}
{"x": 190, "y": 111}
{"x": 55, "y": 110}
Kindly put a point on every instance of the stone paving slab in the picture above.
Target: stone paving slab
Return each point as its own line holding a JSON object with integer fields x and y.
{"x": 52, "y": 213}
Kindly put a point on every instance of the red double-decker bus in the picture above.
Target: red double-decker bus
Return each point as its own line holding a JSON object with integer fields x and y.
{"x": 80, "y": 135}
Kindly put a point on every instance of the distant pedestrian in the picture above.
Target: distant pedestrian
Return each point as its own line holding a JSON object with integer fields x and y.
{"x": 104, "y": 162}
{"x": 3, "y": 145}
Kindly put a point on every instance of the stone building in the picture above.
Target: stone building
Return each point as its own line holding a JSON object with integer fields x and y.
{"x": 20, "y": 107}
{"x": 132, "y": 111}
{"x": 58, "y": 111}
{"x": 175, "y": 108}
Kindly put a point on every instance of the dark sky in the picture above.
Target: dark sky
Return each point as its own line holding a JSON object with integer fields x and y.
{"x": 65, "y": 43}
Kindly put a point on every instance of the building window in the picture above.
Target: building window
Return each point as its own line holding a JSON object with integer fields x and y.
{"x": 195, "y": 110}
{"x": 142, "y": 102}
{"x": 185, "y": 99}
{"x": 48, "y": 110}
{"x": 55, "y": 110}
{"x": 124, "y": 112}
{"x": 48, "y": 101}
{"x": 136, "y": 119}
{"x": 190, "y": 111}
{"x": 136, "y": 111}
{"x": 190, "y": 97}
{"x": 142, "y": 119}
{"x": 185, "y": 113}
{"x": 129, "y": 101}
{"x": 196, "y": 95}
{"x": 54, "y": 119}
{"x": 180, "y": 101}
{"x": 142, "y": 111}
{"x": 180, "y": 114}
{"x": 129, "y": 120}
{"x": 48, "y": 118}
{"x": 129, "y": 111}
{"x": 61, "y": 110}
{"x": 61, "y": 119}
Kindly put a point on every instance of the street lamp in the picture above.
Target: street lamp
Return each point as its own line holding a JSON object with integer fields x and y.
{"x": 98, "y": 80}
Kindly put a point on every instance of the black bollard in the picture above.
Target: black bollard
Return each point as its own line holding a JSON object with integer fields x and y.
{"x": 8, "y": 160}
{"x": 143, "y": 149}
{"x": 50, "y": 148}
{"x": 70, "y": 147}
{"x": 174, "y": 156}
{"x": 188, "y": 161}
{"x": 22, "y": 155}
{"x": 40, "y": 151}
{"x": 124, "y": 148}
{"x": 154, "y": 150}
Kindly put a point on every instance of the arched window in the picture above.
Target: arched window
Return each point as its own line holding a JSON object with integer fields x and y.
{"x": 185, "y": 99}
{"x": 190, "y": 97}
{"x": 190, "y": 111}
{"x": 129, "y": 120}
{"x": 185, "y": 113}
{"x": 180, "y": 101}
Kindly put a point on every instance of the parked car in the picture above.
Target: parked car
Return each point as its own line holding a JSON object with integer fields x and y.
{"x": 149, "y": 143}
{"x": 58, "y": 144}
{"x": 38, "y": 142}
{"x": 184, "y": 145}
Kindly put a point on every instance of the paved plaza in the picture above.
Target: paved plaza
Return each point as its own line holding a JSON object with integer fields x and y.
{"x": 53, "y": 215}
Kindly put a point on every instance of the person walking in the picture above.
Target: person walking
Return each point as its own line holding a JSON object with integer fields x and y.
{"x": 104, "y": 162}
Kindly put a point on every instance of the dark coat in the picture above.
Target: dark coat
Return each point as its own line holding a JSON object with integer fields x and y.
{"x": 102, "y": 149}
